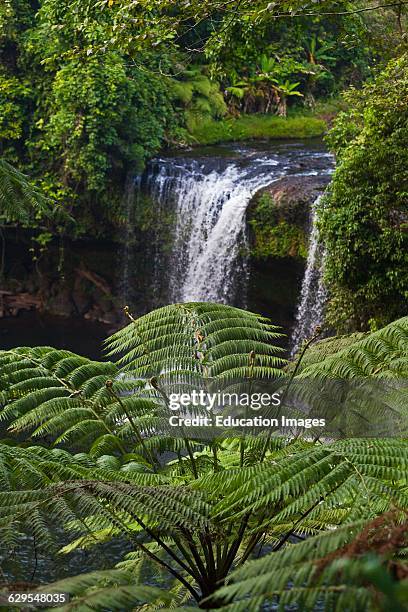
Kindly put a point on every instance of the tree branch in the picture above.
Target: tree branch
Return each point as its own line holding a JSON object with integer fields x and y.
{"x": 340, "y": 13}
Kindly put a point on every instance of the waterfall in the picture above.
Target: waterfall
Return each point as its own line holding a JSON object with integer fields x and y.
{"x": 310, "y": 312}
{"x": 187, "y": 236}
{"x": 207, "y": 261}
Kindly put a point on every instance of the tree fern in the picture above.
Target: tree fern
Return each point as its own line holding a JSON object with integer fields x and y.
{"x": 19, "y": 199}
{"x": 198, "y": 337}
{"x": 286, "y": 495}
{"x": 324, "y": 348}
{"x": 382, "y": 354}
{"x": 333, "y": 570}
{"x": 196, "y": 508}
{"x": 112, "y": 590}
{"x": 106, "y": 406}
{"x": 361, "y": 386}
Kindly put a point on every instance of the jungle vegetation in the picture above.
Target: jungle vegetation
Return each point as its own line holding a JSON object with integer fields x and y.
{"x": 365, "y": 218}
{"x": 90, "y": 90}
{"x": 84, "y": 99}
{"x": 231, "y": 523}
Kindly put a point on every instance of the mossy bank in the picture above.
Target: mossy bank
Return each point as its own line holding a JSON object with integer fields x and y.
{"x": 206, "y": 131}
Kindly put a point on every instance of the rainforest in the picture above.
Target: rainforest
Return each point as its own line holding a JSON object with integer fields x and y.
{"x": 204, "y": 199}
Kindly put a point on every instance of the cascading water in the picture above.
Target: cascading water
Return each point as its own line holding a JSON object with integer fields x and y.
{"x": 207, "y": 259}
{"x": 313, "y": 295}
{"x": 207, "y": 198}
{"x": 186, "y": 234}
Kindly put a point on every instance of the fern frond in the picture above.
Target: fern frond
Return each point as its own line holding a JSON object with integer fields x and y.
{"x": 19, "y": 199}
{"x": 112, "y": 590}
{"x": 382, "y": 354}
{"x": 161, "y": 338}
{"x": 329, "y": 570}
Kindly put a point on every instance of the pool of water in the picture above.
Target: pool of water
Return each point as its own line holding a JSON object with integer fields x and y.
{"x": 72, "y": 333}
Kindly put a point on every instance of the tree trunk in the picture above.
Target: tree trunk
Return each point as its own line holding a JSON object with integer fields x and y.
{"x": 282, "y": 107}
{"x": 215, "y": 603}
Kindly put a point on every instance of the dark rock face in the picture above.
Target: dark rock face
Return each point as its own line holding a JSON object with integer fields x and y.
{"x": 294, "y": 195}
{"x": 278, "y": 219}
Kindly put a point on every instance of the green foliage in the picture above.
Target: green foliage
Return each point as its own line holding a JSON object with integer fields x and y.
{"x": 211, "y": 339}
{"x": 274, "y": 236}
{"x": 268, "y": 88}
{"x": 85, "y": 103}
{"x": 382, "y": 354}
{"x": 20, "y": 201}
{"x": 90, "y": 90}
{"x": 195, "y": 508}
{"x": 321, "y": 488}
{"x": 323, "y": 348}
{"x": 367, "y": 372}
{"x": 57, "y": 394}
{"x": 105, "y": 118}
{"x": 235, "y": 37}
{"x": 199, "y": 98}
{"x": 114, "y": 590}
{"x": 337, "y": 570}
{"x": 364, "y": 220}
{"x": 76, "y": 119}
{"x": 281, "y": 240}
{"x": 263, "y": 57}
{"x": 183, "y": 92}
{"x": 12, "y": 96}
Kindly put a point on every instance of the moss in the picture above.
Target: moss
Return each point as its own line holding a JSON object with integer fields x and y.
{"x": 209, "y": 131}
{"x": 272, "y": 234}
{"x": 281, "y": 240}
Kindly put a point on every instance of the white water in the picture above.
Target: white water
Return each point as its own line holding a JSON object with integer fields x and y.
{"x": 313, "y": 295}
{"x": 196, "y": 248}
{"x": 208, "y": 261}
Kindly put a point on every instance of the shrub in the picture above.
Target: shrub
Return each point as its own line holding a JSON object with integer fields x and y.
{"x": 365, "y": 218}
